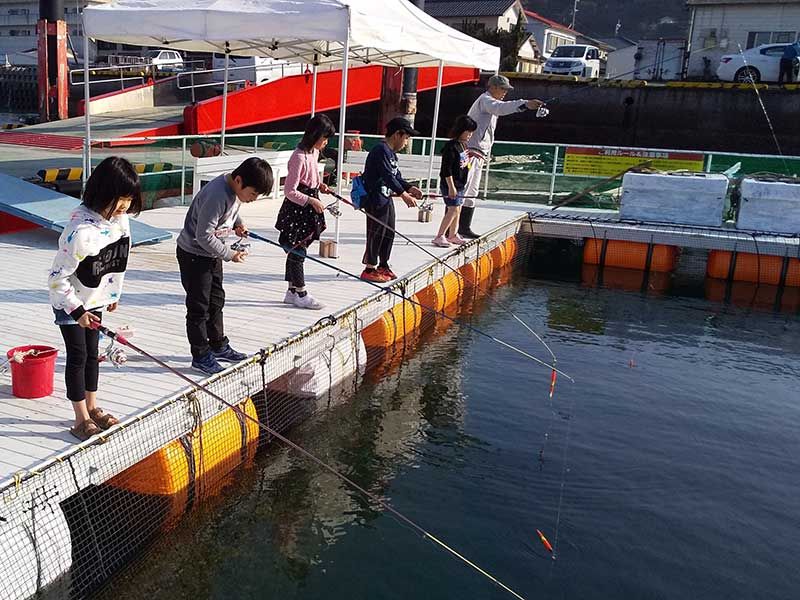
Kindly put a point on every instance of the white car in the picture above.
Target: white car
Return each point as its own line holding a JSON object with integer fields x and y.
{"x": 165, "y": 60}
{"x": 761, "y": 63}
{"x": 574, "y": 59}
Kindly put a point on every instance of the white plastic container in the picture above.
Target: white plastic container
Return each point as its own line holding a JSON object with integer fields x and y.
{"x": 769, "y": 206}
{"x": 691, "y": 199}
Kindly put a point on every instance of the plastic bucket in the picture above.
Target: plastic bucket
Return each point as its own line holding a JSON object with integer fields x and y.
{"x": 33, "y": 377}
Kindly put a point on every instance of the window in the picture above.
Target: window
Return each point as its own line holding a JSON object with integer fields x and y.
{"x": 757, "y": 38}
{"x": 101, "y": 45}
{"x": 554, "y": 41}
{"x": 773, "y": 51}
{"x": 20, "y": 33}
{"x": 18, "y": 11}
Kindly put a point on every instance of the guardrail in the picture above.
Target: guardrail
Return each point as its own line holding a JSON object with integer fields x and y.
{"x": 534, "y": 169}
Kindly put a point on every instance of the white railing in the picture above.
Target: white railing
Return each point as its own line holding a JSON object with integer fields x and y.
{"x": 179, "y": 157}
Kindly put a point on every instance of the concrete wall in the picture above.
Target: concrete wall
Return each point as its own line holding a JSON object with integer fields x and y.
{"x": 731, "y": 25}
{"x": 666, "y": 117}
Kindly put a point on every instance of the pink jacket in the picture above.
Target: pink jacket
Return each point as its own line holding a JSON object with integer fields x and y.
{"x": 303, "y": 169}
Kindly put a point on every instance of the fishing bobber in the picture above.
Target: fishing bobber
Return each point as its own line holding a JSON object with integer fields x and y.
{"x": 328, "y": 249}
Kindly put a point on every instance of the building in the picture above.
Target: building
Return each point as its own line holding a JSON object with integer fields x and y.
{"x": 529, "y": 57}
{"x": 491, "y": 14}
{"x": 621, "y": 58}
{"x": 719, "y": 27}
{"x": 18, "y": 26}
{"x": 549, "y": 34}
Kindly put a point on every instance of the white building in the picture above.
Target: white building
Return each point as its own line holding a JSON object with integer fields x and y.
{"x": 548, "y": 34}
{"x": 719, "y": 27}
{"x": 492, "y": 14}
{"x": 18, "y": 26}
{"x": 621, "y": 59}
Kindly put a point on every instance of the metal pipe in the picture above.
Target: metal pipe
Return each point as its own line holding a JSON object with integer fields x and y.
{"x": 225, "y": 96}
{"x": 435, "y": 121}
{"x": 342, "y": 116}
{"x": 314, "y": 88}
{"x": 553, "y": 175}
{"x": 87, "y": 144}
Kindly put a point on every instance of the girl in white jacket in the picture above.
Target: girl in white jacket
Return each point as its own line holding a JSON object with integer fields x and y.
{"x": 87, "y": 276}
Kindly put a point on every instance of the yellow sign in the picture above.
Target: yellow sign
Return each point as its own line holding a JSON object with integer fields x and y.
{"x": 605, "y": 162}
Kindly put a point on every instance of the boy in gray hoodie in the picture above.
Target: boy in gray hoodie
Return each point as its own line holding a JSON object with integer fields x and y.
{"x": 212, "y": 216}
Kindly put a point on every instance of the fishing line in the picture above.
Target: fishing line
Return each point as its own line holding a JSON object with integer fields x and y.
{"x": 448, "y": 266}
{"x": 372, "y": 497}
{"x": 764, "y": 109}
{"x": 415, "y": 302}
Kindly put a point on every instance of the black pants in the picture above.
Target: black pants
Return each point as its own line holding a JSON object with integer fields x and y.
{"x": 786, "y": 70}
{"x": 379, "y": 238}
{"x": 329, "y": 153}
{"x": 82, "y": 370}
{"x": 201, "y": 277}
{"x": 295, "y": 272}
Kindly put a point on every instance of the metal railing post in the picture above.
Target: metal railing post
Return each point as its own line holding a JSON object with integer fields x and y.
{"x": 553, "y": 175}
{"x": 183, "y": 171}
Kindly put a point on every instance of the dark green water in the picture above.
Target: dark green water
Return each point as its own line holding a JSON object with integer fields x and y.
{"x": 679, "y": 478}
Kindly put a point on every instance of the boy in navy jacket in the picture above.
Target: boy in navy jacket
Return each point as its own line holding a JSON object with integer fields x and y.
{"x": 382, "y": 180}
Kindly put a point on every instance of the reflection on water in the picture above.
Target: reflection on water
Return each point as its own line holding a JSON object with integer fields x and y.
{"x": 679, "y": 479}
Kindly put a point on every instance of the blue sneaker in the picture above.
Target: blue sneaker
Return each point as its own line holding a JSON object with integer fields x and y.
{"x": 207, "y": 365}
{"x": 228, "y": 354}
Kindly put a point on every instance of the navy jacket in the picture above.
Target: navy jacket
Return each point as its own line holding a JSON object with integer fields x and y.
{"x": 382, "y": 178}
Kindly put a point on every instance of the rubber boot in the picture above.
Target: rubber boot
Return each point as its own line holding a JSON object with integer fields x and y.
{"x": 465, "y": 223}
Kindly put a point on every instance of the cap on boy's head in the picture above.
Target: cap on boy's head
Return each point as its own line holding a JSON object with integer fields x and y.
{"x": 400, "y": 124}
{"x": 500, "y": 81}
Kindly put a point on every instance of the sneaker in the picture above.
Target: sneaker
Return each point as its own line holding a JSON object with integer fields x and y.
{"x": 457, "y": 240}
{"x": 440, "y": 241}
{"x": 374, "y": 276}
{"x": 228, "y": 354}
{"x": 308, "y": 301}
{"x": 207, "y": 365}
{"x": 290, "y": 297}
{"x": 387, "y": 272}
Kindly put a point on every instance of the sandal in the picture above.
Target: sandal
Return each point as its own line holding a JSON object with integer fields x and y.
{"x": 85, "y": 430}
{"x": 103, "y": 419}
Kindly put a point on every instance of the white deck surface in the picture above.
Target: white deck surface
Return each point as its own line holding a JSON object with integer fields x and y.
{"x": 33, "y": 431}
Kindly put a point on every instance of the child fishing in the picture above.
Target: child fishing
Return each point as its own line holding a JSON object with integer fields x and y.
{"x": 301, "y": 218}
{"x": 212, "y": 216}
{"x": 86, "y": 278}
{"x": 382, "y": 180}
{"x": 453, "y": 179}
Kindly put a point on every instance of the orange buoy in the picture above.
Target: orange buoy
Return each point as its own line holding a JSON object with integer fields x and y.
{"x": 499, "y": 256}
{"x": 629, "y": 255}
{"x": 396, "y": 323}
{"x": 477, "y": 270}
{"x": 754, "y": 268}
{"x": 205, "y": 148}
{"x": 512, "y": 248}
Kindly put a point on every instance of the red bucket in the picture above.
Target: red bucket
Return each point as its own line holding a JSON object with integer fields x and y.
{"x": 33, "y": 377}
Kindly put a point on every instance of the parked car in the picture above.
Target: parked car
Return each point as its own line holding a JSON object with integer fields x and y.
{"x": 165, "y": 60}
{"x": 761, "y": 63}
{"x": 574, "y": 59}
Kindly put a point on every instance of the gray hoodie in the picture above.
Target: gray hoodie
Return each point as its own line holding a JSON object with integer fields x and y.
{"x": 214, "y": 212}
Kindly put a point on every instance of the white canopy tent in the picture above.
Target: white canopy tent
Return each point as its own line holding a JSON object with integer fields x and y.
{"x": 318, "y": 32}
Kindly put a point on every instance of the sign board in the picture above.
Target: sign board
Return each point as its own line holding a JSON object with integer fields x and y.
{"x": 605, "y": 162}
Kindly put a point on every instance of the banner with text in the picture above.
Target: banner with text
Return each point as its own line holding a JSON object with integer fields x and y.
{"x": 605, "y": 162}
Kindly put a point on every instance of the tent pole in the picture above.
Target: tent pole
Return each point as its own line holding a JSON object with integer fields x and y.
{"x": 225, "y": 96}
{"x": 87, "y": 145}
{"x": 342, "y": 115}
{"x": 314, "y": 89}
{"x": 439, "y": 77}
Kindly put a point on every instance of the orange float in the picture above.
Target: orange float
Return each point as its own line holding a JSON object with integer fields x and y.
{"x": 630, "y": 255}
{"x": 765, "y": 268}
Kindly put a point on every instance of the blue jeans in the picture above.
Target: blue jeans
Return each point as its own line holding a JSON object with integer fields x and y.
{"x": 457, "y": 201}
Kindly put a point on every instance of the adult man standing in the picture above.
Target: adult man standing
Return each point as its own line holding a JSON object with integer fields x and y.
{"x": 788, "y": 63}
{"x": 485, "y": 111}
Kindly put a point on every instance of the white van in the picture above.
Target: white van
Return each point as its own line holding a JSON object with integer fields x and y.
{"x": 165, "y": 60}
{"x": 253, "y": 69}
{"x": 574, "y": 59}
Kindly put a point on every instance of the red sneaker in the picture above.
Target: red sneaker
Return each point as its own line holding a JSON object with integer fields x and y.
{"x": 374, "y": 276}
{"x": 387, "y": 272}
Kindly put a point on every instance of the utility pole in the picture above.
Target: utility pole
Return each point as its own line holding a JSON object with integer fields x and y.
{"x": 51, "y": 30}
{"x": 574, "y": 12}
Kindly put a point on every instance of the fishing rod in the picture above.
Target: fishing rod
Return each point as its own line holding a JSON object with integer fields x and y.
{"x": 372, "y": 497}
{"x": 417, "y": 303}
{"x": 446, "y": 265}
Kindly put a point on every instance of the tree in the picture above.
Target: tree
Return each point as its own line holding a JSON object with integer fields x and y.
{"x": 509, "y": 42}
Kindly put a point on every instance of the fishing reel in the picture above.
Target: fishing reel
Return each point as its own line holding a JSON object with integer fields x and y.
{"x": 113, "y": 353}
{"x": 241, "y": 245}
{"x": 542, "y": 112}
{"x": 333, "y": 209}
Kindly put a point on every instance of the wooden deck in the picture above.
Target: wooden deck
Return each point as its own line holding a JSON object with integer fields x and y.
{"x": 35, "y": 431}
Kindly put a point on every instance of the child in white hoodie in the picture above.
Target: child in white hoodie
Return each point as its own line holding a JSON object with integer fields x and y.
{"x": 87, "y": 276}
